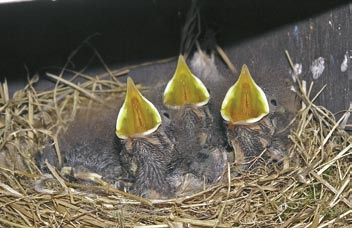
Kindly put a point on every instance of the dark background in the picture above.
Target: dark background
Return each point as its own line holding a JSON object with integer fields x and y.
{"x": 35, "y": 35}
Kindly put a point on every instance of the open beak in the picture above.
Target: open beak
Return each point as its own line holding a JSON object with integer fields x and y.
{"x": 185, "y": 88}
{"x": 137, "y": 116}
{"x": 245, "y": 102}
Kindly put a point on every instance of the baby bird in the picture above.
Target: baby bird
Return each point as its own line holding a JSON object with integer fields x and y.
{"x": 245, "y": 110}
{"x": 191, "y": 122}
{"x": 87, "y": 158}
{"x": 186, "y": 96}
{"x": 146, "y": 150}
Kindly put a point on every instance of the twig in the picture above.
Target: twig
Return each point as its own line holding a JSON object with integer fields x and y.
{"x": 202, "y": 223}
{"x": 85, "y": 92}
{"x": 333, "y": 220}
{"x": 226, "y": 59}
{"x": 331, "y": 188}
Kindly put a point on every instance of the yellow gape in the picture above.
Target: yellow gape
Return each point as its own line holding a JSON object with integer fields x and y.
{"x": 185, "y": 88}
{"x": 245, "y": 102}
{"x": 137, "y": 116}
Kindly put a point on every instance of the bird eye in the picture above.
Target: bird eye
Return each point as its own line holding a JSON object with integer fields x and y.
{"x": 273, "y": 102}
{"x": 167, "y": 115}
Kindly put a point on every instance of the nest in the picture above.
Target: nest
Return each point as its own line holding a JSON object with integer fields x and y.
{"x": 312, "y": 189}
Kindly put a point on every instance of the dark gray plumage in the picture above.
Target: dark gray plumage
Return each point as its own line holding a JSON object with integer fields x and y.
{"x": 196, "y": 162}
{"x": 249, "y": 141}
{"x": 146, "y": 159}
{"x": 87, "y": 163}
{"x": 268, "y": 138}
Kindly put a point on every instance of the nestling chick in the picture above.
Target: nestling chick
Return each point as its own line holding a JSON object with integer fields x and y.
{"x": 186, "y": 97}
{"x": 88, "y": 150}
{"x": 203, "y": 65}
{"x": 146, "y": 149}
{"x": 249, "y": 126}
{"x": 191, "y": 124}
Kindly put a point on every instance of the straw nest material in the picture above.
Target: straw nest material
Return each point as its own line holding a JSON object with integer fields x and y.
{"x": 312, "y": 189}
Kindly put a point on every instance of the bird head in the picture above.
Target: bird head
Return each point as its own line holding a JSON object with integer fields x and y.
{"x": 185, "y": 88}
{"x": 137, "y": 116}
{"x": 245, "y": 102}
